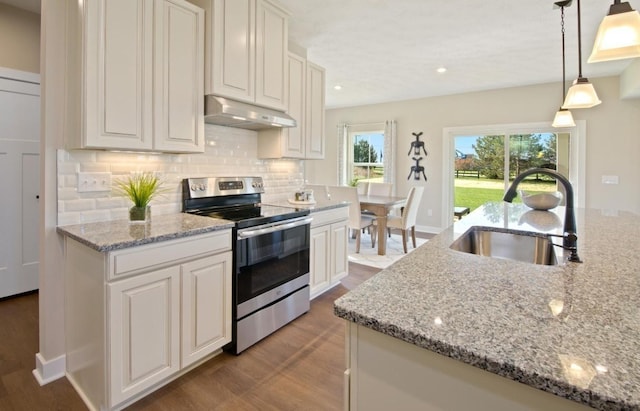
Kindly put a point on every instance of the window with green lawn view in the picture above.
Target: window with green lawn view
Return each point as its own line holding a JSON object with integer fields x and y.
{"x": 485, "y": 165}
{"x": 365, "y": 156}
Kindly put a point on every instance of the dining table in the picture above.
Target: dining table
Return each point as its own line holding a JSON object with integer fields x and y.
{"x": 380, "y": 206}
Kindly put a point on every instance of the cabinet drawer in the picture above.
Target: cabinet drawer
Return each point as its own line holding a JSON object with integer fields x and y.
{"x": 329, "y": 216}
{"x": 135, "y": 259}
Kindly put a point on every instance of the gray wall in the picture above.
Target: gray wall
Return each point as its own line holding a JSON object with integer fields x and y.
{"x": 19, "y": 39}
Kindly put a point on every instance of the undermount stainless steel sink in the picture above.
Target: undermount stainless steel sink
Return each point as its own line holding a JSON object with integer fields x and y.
{"x": 493, "y": 242}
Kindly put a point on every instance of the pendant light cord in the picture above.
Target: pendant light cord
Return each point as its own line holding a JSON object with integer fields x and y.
{"x": 564, "y": 80}
{"x": 579, "y": 45}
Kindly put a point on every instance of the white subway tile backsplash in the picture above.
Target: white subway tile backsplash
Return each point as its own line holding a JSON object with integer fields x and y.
{"x": 95, "y": 216}
{"x": 68, "y": 168}
{"x": 228, "y": 152}
{"x": 111, "y": 203}
{"x": 80, "y": 205}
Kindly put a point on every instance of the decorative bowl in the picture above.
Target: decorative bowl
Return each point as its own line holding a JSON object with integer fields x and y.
{"x": 541, "y": 201}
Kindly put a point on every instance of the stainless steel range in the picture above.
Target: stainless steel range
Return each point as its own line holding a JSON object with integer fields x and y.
{"x": 271, "y": 254}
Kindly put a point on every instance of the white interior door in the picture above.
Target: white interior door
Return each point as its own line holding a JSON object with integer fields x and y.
{"x": 19, "y": 182}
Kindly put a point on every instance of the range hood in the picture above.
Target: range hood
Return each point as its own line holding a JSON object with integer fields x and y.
{"x": 231, "y": 113}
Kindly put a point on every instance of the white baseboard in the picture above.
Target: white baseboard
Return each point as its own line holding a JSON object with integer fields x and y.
{"x": 428, "y": 229}
{"x": 47, "y": 371}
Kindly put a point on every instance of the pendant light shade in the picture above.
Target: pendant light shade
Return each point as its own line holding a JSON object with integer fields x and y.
{"x": 581, "y": 95}
{"x": 619, "y": 34}
{"x": 563, "y": 118}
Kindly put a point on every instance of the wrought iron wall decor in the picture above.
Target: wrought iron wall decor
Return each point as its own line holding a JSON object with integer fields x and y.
{"x": 417, "y": 145}
{"x": 417, "y": 169}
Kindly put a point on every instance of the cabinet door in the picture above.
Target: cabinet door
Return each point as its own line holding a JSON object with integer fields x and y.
{"x": 179, "y": 81}
{"x": 144, "y": 331}
{"x": 118, "y": 78}
{"x": 271, "y": 55}
{"x": 319, "y": 262}
{"x": 233, "y": 49}
{"x": 314, "y": 119}
{"x": 206, "y": 306}
{"x": 293, "y": 137}
{"x": 339, "y": 254}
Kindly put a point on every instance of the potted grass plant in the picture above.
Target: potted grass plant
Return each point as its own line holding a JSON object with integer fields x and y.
{"x": 140, "y": 188}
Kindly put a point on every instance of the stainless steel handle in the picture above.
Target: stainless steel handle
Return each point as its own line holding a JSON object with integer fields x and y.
{"x": 272, "y": 228}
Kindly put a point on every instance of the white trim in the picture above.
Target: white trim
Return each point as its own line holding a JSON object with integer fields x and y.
{"x": 48, "y": 371}
{"x": 427, "y": 229}
{"x": 577, "y": 156}
{"x": 19, "y": 75}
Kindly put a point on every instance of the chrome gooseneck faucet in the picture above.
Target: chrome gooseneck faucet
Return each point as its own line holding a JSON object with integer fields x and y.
{"x": 569, "y": 237}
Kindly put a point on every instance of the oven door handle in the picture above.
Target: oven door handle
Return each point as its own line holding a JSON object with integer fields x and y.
{"x": 271, "y": 228}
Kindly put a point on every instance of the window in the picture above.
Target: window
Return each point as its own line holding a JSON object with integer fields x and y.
{"x": 483, "y": 169}
{"x": 569, "y": 156}
{"x": 365, "y": 152}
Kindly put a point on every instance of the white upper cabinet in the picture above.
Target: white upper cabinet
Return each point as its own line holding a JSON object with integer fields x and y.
{"x": 246, "y": 45}
{"x": 230, "y": 59}
{"x": 293, "y": 137}
{"x": 179, "y": 77}
{"x": 305, "y": 103}
{"x": 314, "y": 116}
{"x": 111, "y": 65}
{"x": 272, "y": 38}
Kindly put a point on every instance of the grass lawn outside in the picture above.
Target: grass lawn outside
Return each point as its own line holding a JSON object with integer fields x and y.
{"x": 473, "y": 192}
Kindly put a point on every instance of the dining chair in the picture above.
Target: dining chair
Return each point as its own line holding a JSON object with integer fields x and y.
{"x": 357, "y": 221}
{"x": 407, "y": 221}
{"x": 363, "y": 187}
{"x": 379, "y": 189}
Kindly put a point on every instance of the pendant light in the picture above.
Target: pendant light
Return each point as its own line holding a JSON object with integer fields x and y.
{"x": 618, "y": 35}
{"x": 563, "y": 117}
{"x": 581, "y": 94}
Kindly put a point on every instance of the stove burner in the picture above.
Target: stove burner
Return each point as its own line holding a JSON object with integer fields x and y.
{"x": 235, "y": 199}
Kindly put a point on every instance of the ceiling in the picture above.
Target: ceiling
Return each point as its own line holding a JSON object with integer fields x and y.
{"x": 389, "y": 50}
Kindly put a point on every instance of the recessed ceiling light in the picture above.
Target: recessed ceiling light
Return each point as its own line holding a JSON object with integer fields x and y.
{"x": 441, "y": 69}
{"x": 337, "y": 87}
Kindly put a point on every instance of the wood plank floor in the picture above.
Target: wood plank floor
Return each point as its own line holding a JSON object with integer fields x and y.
{"x": 298, "y": 368}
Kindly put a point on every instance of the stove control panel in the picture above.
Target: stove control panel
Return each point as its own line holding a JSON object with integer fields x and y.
{"x": 223, "y": 186}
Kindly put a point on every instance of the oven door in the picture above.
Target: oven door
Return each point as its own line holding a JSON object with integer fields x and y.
{"x": 268, "y": 257}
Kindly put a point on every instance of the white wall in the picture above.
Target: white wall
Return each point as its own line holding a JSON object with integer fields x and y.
{"x": 228, "y": 152}
{"x": 612, "y": 146}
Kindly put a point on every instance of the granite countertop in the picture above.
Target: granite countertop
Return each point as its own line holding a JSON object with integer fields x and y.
{"x": 572, "y": 330}
{"x": 319, "y": 205}
{"x": 114, "y": 235}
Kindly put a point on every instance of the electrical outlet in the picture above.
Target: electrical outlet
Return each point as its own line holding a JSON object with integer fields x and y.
{"x": 94, "y": 182}
{"x": 429, "y": 213}
{"x": 610, "y": 179}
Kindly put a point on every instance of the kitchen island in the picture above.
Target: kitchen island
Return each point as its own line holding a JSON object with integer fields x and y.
{"x": 442, "y": 329}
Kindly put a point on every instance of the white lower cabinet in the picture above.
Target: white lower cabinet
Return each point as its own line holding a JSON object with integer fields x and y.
{"x": 206, "y": 306}
{"x": 328, "y": 257}
{"x": 140, "y": 317}
{"x": 144, "y": 331}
